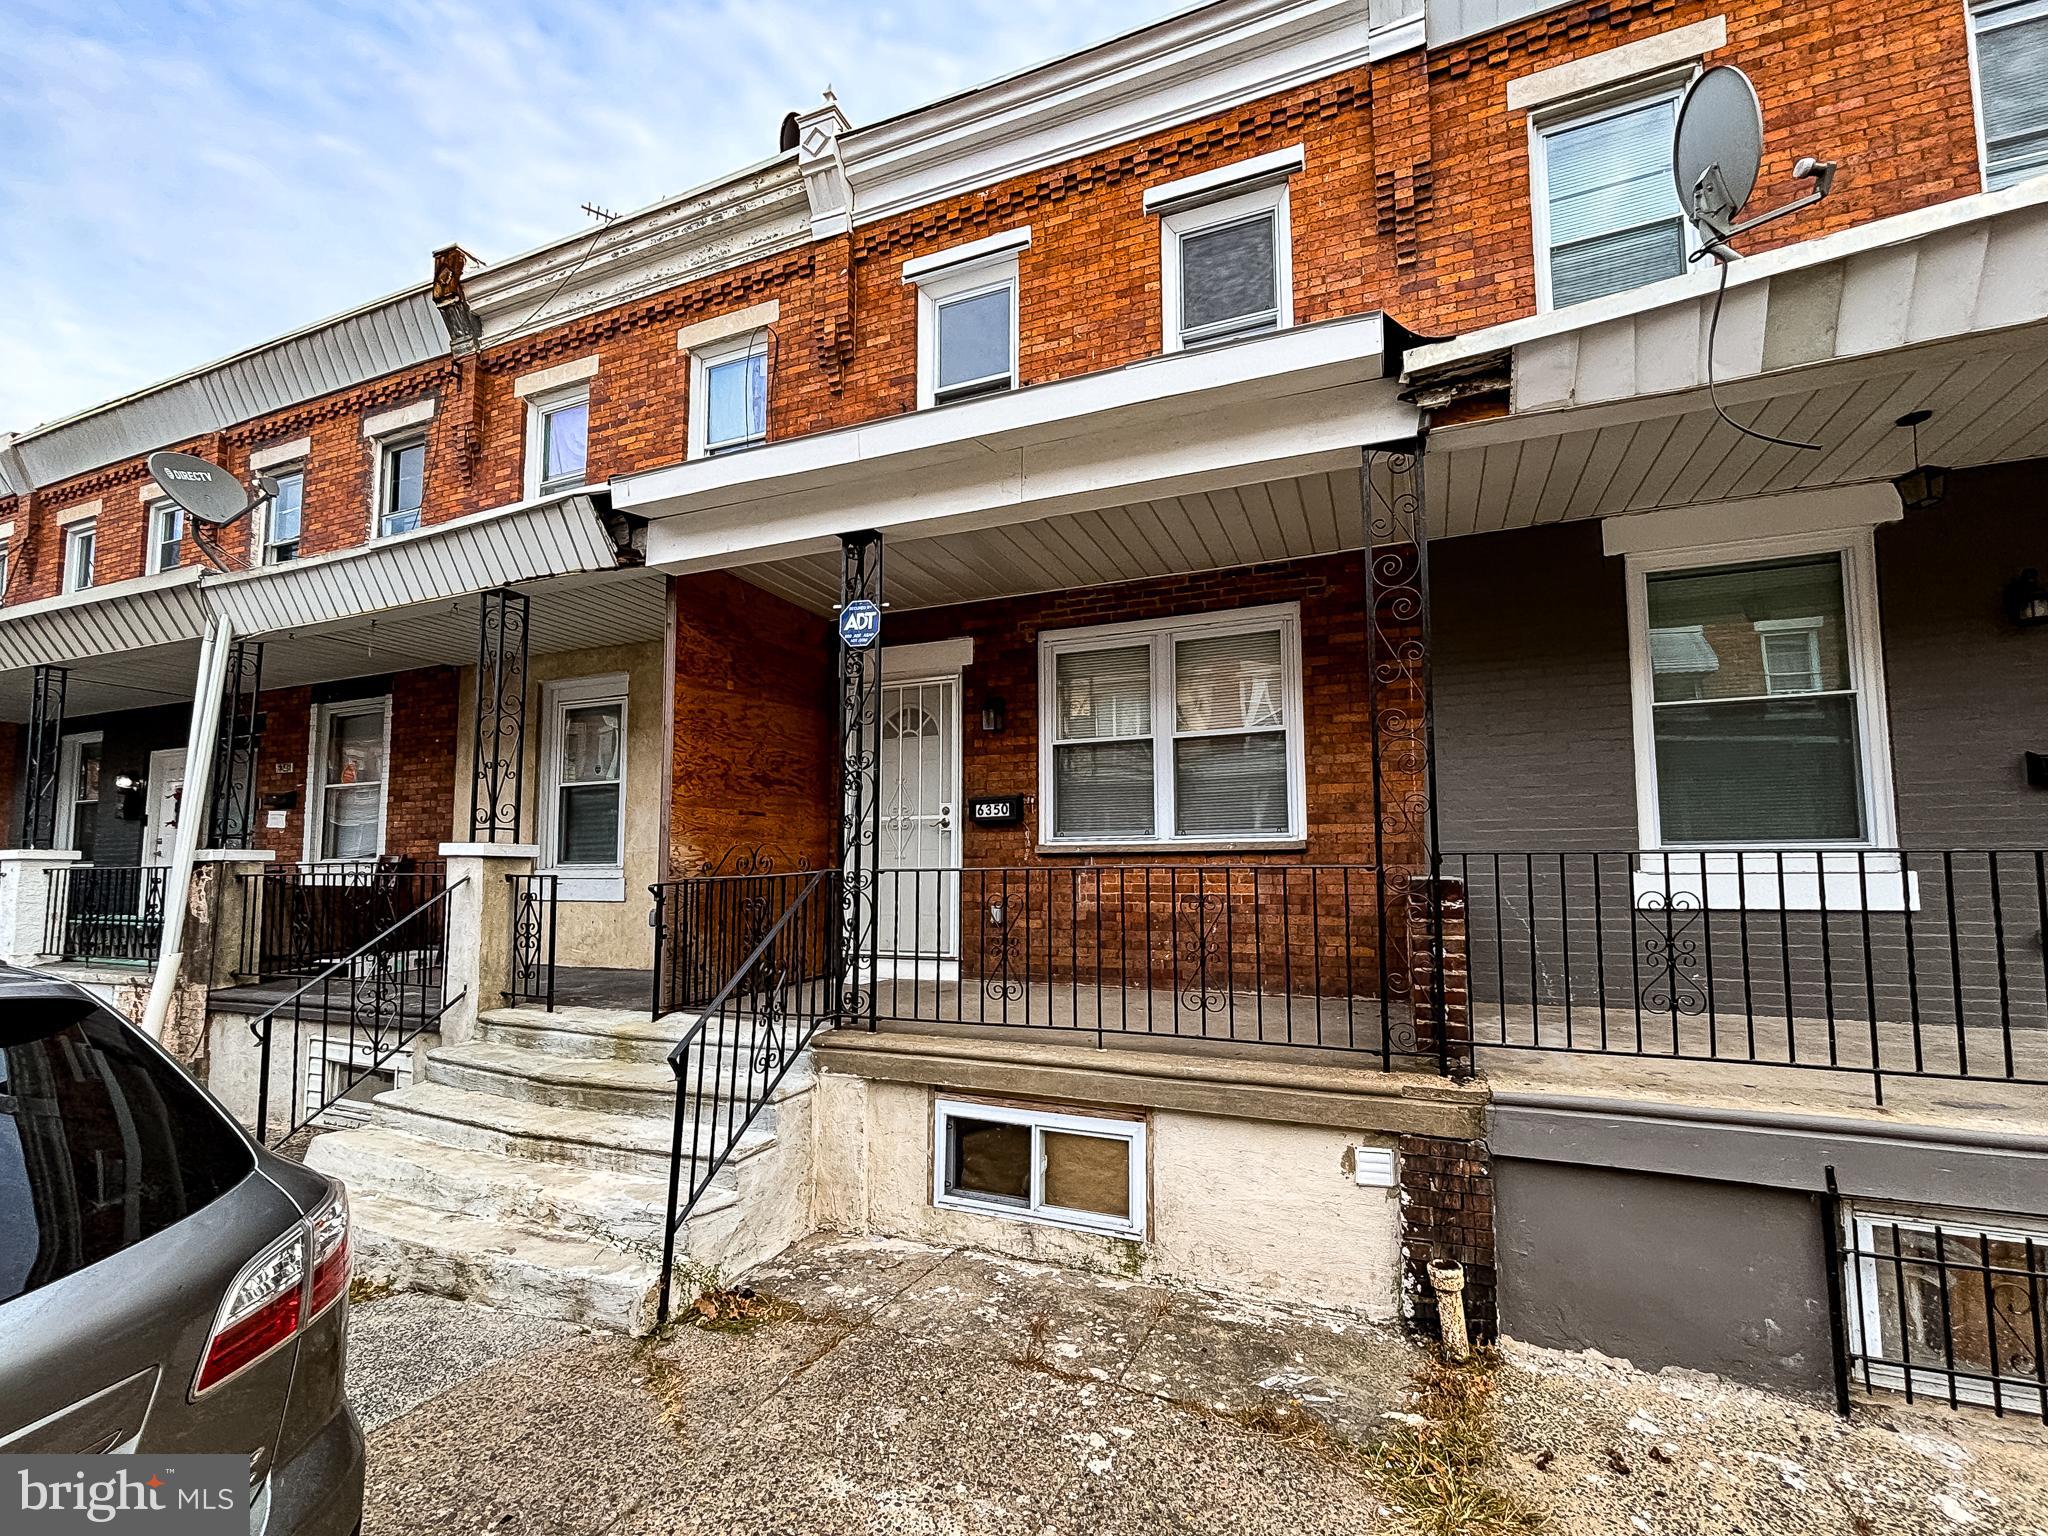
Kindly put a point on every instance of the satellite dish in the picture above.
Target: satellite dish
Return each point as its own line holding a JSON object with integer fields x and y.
{"x": 1717, "y": 149}
{"x": 208, "y": 493}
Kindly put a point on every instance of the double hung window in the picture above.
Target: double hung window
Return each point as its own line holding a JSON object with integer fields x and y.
{"x": 1607, "y": 213}
{"x": 2009, "y": 41}
{"x": 351, "y": 751}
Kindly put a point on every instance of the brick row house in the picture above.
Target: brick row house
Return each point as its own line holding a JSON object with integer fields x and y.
{"x": 1229, "y": 656}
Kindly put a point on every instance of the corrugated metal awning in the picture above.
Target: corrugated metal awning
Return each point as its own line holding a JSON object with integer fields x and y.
{"x": 103, "y": 621}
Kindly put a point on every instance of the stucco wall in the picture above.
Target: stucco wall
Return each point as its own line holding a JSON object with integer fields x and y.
{"x": 611, "y": 933}
{"x": 1242, "y": 1205}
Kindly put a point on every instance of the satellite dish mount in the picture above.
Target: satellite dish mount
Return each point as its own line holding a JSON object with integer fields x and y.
{"x": 1716, "y": 152}
{"x": 210, "y": 496}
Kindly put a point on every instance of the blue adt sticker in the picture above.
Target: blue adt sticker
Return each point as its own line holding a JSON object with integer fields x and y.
{"x": 860, "y": 624}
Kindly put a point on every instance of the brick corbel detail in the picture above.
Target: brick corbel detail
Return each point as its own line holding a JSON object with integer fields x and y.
{"x": 1403, "y": 183}
{"x": 467, "y": 425}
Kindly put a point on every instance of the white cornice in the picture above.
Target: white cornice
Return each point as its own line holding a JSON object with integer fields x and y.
{"x": 1177, "y": 71}
{"x": 754, "y": 213}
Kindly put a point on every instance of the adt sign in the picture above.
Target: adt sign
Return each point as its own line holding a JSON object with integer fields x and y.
{"x": 860, "y": 624}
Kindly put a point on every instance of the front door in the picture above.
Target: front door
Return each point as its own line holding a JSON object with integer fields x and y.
{"x": 166, "y": 804}
{"x": 920, "y": 856}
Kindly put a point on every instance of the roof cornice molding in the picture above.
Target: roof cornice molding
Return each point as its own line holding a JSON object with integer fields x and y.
{"x": 1180, "y": 70}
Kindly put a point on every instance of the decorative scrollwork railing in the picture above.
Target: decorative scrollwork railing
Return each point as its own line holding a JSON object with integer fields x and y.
{"x": 535, "y": 909}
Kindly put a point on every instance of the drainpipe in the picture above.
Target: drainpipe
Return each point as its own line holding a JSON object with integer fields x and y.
{"x": 199, "y": 746}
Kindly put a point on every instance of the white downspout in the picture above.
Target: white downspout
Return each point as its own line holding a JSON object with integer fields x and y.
{"x": 192, "y": 812}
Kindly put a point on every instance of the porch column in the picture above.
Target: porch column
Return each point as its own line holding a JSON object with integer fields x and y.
{"x": 26, "y": 878}
{"x": 231, "y": 803}
{"x": 477, "y": 953}
{"x": 498, "y": 741}
{"x": 44, "y": 748}
{"x": 860, "y": 744}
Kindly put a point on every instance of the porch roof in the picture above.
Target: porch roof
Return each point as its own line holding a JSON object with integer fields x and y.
{"x": 1607, "y": 409}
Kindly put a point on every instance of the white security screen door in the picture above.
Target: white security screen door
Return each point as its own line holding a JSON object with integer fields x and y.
{"x": 920, "y": 854}
{"x": 166, "y": 803}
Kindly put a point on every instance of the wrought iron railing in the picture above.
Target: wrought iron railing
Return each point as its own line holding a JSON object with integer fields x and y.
{"x": 1258, "y": 954}
{"x": 298, "y": 918}
{"x": 1890, "y": 963}
{"x": 104, "y": 912}
{"x": 785, "y": 987}
{"x": 352, "y": 1018}
{"x": 705, "y": 926}
{"x": 535, "y": 909}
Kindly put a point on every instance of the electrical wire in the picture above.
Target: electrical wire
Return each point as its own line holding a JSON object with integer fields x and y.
{"x": 1713, "y": 394}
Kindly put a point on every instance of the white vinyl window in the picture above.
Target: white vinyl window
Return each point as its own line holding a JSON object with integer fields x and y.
{"x": 348, "y": 779}
{"x": 4, "y": 551}
{"x": 1606, "y": 212}
{"x": 729, "y": 394}
{"x": 967, "y": 332}
{"x": 1759, "y": 696}
{"x": 1040, "y": 1165}
{"x": 1187, "y": 731}
{"x": 78, "y": 793}
{"x": 166, "y": 536}
{"x": 284, "y": 517}
{"x": 2009, "y": 47}
{"x": 1227, "y": 268}
{"x": 557, "y": 440}
{"x": 401, "y": 484}
{"x": 583, "y": 817}
{"x": 1930, "y": 1292}
{"x": 340, "y": 1074}
{"x": 80, "y": 542}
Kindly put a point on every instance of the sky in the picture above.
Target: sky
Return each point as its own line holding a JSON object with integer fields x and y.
{"x": 182, "y": 180}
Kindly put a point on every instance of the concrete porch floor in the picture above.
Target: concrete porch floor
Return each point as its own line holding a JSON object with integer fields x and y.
{"x": 907, "y": 1396}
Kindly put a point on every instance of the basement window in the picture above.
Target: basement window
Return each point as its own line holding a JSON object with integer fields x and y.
{"x": 1086, "y": 1172}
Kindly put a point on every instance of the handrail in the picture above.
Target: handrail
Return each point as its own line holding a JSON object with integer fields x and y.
{"x": 260, "y": 1026}
{"x": 767, "y": 1060}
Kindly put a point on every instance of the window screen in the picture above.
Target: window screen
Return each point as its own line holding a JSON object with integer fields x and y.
{"x": 1229, "y": 279}
{"x": 589, "y": 775}
{"x": 973, "y": 343}
{"x": 736, "y": 403}
{"x": 2012, "y": 87}
{"x": 103, "y": 1143}
{"x": 1614, "y": 217}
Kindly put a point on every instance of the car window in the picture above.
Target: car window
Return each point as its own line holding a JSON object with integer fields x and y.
{"x": 103, "y": 1143}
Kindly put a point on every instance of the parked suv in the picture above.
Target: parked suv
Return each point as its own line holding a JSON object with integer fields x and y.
{"x": 166, "y": 1284}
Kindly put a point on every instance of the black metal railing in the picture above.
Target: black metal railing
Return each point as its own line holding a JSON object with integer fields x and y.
{"x": 1272, "y": 954}
{"x": 104, "y": 912}
{"x": 1946, "y": 1312}
{"x": 535, "y": 910}
{"x": 299, "y": 918}
{"x": 356, "y": 1014}
{"x": 785, "y": 988}
{"x": 1890, "y": 963}
{"x": 705, "y": 926}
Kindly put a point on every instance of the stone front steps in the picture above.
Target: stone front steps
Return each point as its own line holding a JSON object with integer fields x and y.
{"x": 528, "y": 1168}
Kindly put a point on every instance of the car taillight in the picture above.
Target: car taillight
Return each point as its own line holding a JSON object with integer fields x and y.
{"x": 289, "y": 1283}
{"x": 330, "y": 1254}
{"x": 261, "y": 1311}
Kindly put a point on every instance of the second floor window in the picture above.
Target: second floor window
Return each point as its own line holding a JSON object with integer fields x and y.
{"x": 1607, "y": 216}
{"x": 282, "y": 519}
{"x": 80, "y": 540}
{"x": 401, "y": 486}
{"x": 166, "y": 536}
{"x": 557, "y": 442}
{"x": 1228, "y": 272}
{"x": 729, "y": 394}
{"x": 967, "y": 327}
{"x": 2010, "y": 40}
{"x": 3, "y": 570}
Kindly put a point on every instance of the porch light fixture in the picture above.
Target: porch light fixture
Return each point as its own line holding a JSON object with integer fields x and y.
{"x": 992, "y": 715}
{"x": 1924, "y": 485}
{"x": 2026, "y": 600}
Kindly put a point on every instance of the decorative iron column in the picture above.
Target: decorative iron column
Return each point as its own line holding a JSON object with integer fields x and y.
{"x": 498, "y": 741}
{"x": 232, "y": 807}
{"x": 45, "y": 750}
{"x": 1402, "y": 721}
{"x": 860, "y": 789}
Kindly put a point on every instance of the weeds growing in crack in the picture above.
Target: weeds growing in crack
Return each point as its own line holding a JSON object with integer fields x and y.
{"x": 362, "y": 1290}
{"x": 1438, "y": 1471}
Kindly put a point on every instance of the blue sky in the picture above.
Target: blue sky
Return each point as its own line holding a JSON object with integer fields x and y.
{"x": 180, "y": 180}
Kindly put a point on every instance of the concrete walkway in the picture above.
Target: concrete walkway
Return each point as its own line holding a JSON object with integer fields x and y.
{"x": 898, "y": 1388}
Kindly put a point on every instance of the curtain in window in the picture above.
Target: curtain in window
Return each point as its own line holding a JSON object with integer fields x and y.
{"x": 2012, "y": 82}
{"x": 737, "y": 410}
{"x": 1232, "y": 779}
{"x": 1615, "y": 222}
{"x": 567, "y": 431}
{"x": 1102, "y": 752}
{"x": 353, "y": 789}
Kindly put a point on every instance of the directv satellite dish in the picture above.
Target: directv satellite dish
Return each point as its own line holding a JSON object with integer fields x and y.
{"x": 1716, "y": 152}
{"x": 208, "y": 493}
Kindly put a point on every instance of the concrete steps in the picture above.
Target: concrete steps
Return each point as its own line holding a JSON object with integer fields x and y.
{"x": 528, "y": 1167}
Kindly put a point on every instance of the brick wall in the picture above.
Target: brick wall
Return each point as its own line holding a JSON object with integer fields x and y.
{"x": 1447, "y": 1214}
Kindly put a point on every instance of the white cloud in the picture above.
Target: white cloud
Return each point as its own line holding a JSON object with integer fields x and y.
{"x": 181, "y": 180}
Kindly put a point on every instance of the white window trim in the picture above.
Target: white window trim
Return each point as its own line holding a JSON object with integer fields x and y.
{"x": 1225, "y": 181}
{"x": 316, "y": 776}
{"x": 6, "y": 559}
{"x": 582, "y": 882}
{"x": 1131, "y": 1131}
{"x": 1863, "y": 1291}
{"x": 69, "y": 750}
{"x": 1286, "y": 617}
{"x": 537, "y": 407}
{"x": 1815, "y": 876}
{"x": 1577, "y": 113}
{"x": 323, "y": 1049}
{"x": 959, "y": 281}
{"x": 386, "y": 449}
{"x": 1970, "y": 30}
{"x": 265, "y": 535}
{"x": 75, "y": 534}
{"x": 1176, "y": 226}
{"x": 708, "y": 355}
{"x": 155, "y": 510}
